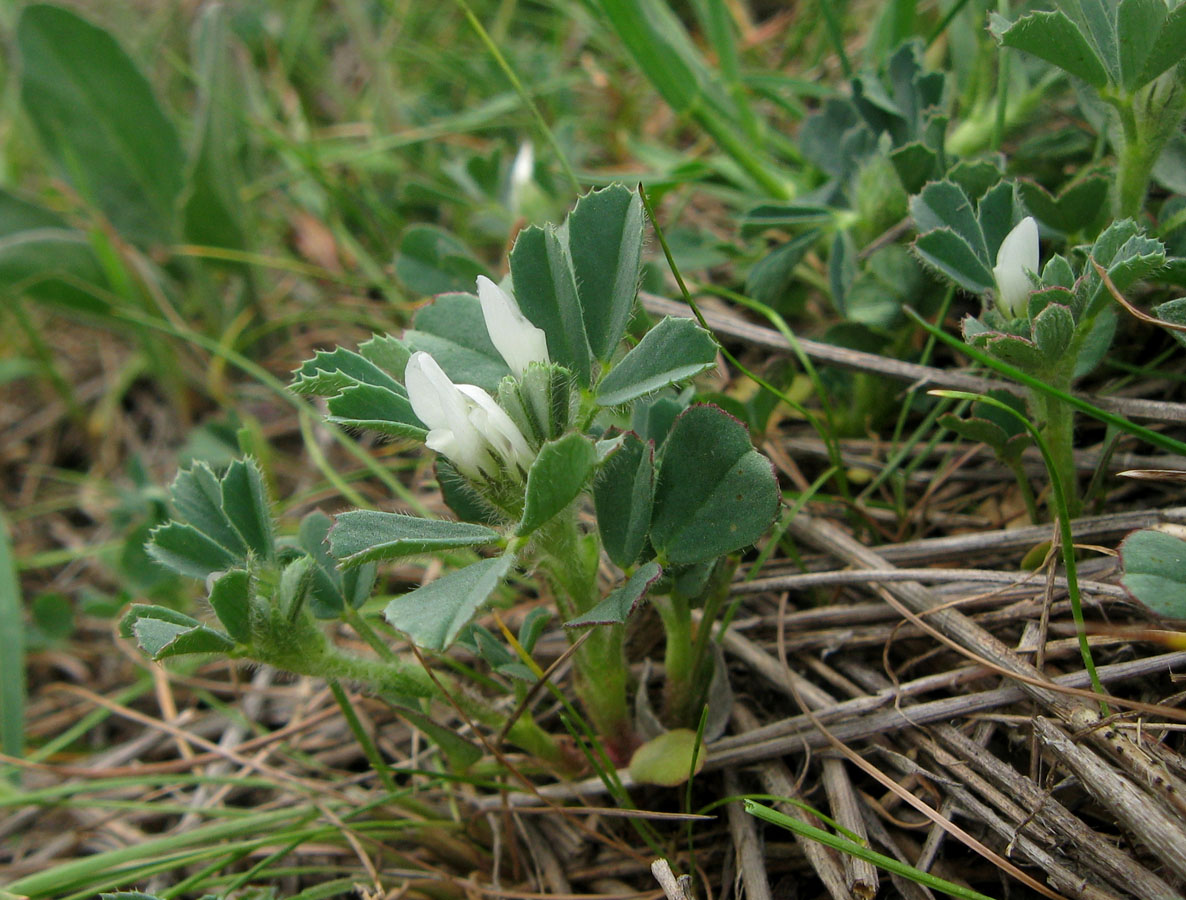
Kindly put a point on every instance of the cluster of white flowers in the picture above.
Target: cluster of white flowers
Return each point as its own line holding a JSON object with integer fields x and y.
{"x": 1017, "y": 257}
{"x": 465, "y": 423}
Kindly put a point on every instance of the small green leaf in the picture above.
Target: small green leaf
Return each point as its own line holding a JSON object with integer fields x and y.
{"x": 1054, "y": 327}
{"x": 1055, "y": 38}
{"x": 1138, "y": 23}
{"x": 162, "y": 633}
{"x": 715, "y": 492}
{"x": 186, "y": 550}
{"x": 976, "y": 176}
{"x": 388, "y": 353}
{"x": 622, "y": 601}
{"x": 559, "y": 472}
{"x": 42, "y": 257}
{"x": 230, "y": 597}
{"x": 377, "y": 409}
{"x": 433, "y": 615}
{"x": 100, "y": 122}
{"x": 950, "y": 254}
{"x": 623, "y": 494}
{"x": 915, "y": 163}
{"x": 1170, "y": 47}
{"x": 245, "y": 501}
{"x": 327, "y": 373}
{"x": 1173, "y": 312}
{"x": 546, "y": 291}
{"x": 604, "y": 233}
{"x": 432, "y": 261}
{"x": 672, "y": 351}
{"x": 944, "y": 205}
{"x": 667, "y": 759}
{"x": 772, "y": 276}
{"x": 364, "y": 535}
{"x": 1017, "y": 351}
{"x": 1155, "y": 571}
{"x": 1078, "y": 208}
{"x": 212, "y": 209}
{"x": 452, "y": 330}
{"x": 197, "y": 494}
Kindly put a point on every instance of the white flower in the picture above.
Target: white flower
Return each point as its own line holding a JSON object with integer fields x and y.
{"x": 1018, "y": 256}
{"x": 514, "y": 337}
{"x": 522, "y": 172}
{"x": 464, "y": 423}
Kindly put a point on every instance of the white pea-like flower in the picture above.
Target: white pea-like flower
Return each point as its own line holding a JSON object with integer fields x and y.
{"x": 1018, "y": 256}
{"x": 464, "y": 423}
{"x": 514, "y": 337}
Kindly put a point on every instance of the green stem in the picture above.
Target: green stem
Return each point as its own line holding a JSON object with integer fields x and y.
{"x": 1059, "y": 431}
{"x": 571, "y": 562}
{"x": 679, "y": 689}
{"x": 1027, "y": 492}
{"x": 1063, "y": 517}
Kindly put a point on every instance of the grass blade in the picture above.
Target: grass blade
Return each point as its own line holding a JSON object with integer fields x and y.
{"x": 12, "y": 652}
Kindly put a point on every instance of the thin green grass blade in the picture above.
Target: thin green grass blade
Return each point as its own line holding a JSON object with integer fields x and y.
{"x": 12, "y": 652}
{"x": 1066, "y": 538}
{"x": 844, "y": 845}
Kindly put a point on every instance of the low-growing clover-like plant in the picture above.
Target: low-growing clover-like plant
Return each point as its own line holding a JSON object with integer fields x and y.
{"x": 564, "y": 449}
{"x": 561, "y": 448}
{"x": 1055, "y": 321}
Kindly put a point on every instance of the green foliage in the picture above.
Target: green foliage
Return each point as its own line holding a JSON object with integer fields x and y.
{"x": 715, "y": 493}
{"x": 434, "y": 615}
{"x": 364, "y": 535}
{"x": 671, "y": 352}
{"x": 100, "y": 121}
{"x": 1155, "y": 571}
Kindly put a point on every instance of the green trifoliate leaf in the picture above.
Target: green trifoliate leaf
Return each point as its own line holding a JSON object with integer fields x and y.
{"x": 623, "y": 495}
{"x": 715, "y": 492}
{"x": 622, "y": 601}
{"x": 672, "y": 351}
{"x": 364, "y": 535}
{"x": 1055, "y": 38}
{"x": 559, "y": 473}
{"x": 433, "y": 615}
{"x": 1155, "y": 571}
{"x": 604, "y": 234}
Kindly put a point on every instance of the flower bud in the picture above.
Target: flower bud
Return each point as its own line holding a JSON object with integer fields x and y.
{"x": 1017, "y": 257}
{"x": 464, "y": 423}
{"x": 514, "y": 337}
